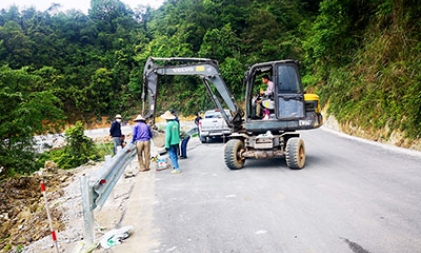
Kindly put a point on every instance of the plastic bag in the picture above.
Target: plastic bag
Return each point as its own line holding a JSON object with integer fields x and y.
{"x": 162, "y": 163}
{"x": 114, "y": 237}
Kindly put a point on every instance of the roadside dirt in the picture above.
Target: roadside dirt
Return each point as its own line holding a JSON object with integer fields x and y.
{"x": 24, "y": 225}
{"x": 22, "y": 214}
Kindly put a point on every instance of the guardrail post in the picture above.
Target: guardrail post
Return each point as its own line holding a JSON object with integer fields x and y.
{"x": 96, "y": 190}
{"x": 88, "y": 210}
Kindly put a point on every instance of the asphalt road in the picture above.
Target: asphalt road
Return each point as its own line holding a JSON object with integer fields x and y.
{"x": 352, "y": 196}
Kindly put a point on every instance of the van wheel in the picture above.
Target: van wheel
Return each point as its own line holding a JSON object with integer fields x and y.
{"x": 202, "y": 139}
{"x": 232, "y": 152}
{"x": 295, "y": 156}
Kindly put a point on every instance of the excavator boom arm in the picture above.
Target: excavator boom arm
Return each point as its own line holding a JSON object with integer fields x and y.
{"x": 206, "y": 69}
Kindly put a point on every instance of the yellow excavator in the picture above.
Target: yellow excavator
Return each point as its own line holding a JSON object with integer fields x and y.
{"x": 274, "y": 134}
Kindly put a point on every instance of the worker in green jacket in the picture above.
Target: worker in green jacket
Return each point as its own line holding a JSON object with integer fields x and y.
{"x": 172, "y": 140}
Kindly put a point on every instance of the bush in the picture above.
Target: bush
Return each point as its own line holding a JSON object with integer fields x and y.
{"x": 78, "y": 150}
{"x": 17, "y": 162}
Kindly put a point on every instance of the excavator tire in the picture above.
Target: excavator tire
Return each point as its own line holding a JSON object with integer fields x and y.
{"x": 232, "y": 153}
{"x": 295, "y": 156}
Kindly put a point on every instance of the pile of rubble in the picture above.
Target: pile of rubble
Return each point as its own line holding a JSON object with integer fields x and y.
{"x": 23, "y": 217}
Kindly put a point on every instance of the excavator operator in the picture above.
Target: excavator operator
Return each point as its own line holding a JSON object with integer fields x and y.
{"x": 270, "y": 85}
{"x": 268, "y": 94}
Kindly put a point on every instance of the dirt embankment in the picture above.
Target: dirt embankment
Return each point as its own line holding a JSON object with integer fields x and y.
{"x": 23, "y": 217}
{"x": 383, "y": 135}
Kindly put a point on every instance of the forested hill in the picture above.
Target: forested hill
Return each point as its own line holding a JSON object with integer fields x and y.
{"x": 362, "y": 57}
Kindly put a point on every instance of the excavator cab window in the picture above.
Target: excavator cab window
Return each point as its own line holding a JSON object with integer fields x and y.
{"x": 258, "y": 88}
{"x": 287, "y": 79}
{"x": 289, "y": 91}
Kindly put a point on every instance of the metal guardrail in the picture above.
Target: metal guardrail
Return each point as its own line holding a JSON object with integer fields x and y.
{"x": 96, "y": 189}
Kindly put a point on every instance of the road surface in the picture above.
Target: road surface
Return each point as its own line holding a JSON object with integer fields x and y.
{"x": 352, "y": 196}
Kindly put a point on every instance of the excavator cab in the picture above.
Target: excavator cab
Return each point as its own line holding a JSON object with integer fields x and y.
{"x": 285, "y": 110}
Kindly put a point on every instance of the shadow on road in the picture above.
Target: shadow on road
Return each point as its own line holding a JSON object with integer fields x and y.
{"x": 280, "y": 163}
{"x": 313, "y": 161}
{"x": 271, "y": 163}
{"x": 215, "y": 140}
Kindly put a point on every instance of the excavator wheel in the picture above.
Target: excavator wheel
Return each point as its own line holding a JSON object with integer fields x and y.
{"x": 232, "y": 152}
{"x": 295, "y": 156}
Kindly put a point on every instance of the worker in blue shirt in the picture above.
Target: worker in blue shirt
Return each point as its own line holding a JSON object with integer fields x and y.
{"x": 142, "y": 136}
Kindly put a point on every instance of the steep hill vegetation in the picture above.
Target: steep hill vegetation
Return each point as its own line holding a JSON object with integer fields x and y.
{"x": 362, "y": 57}
{"x": 365, "y": 57}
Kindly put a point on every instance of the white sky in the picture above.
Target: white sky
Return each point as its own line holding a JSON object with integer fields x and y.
{"x": 83, "y": 5}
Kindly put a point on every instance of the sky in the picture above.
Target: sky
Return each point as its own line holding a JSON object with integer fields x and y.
{"x": 83, "y": 5}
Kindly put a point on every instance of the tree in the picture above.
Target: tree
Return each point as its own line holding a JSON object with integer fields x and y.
{"x": 16, "y": 43}
{"x": 220, "y": 44}
{"x": 23, "y": 114}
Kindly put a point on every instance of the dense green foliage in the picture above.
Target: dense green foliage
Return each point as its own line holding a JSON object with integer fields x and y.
{"x": 26, "y": 109}
{"x": 362, "y": 57}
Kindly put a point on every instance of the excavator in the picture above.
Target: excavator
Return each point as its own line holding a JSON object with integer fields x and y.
{"x": 288, "y": 110}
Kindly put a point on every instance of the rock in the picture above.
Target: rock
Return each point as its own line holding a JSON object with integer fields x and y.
{"x": 34, "y": 207}
{"x": 50, "y": 166}
{"x": 63, "y": 178}
{"x": 90, "y": 162}
{"x": 6, "y": 226}
{"x": 29, "y": 238}
{"x": 129, "y": 174}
